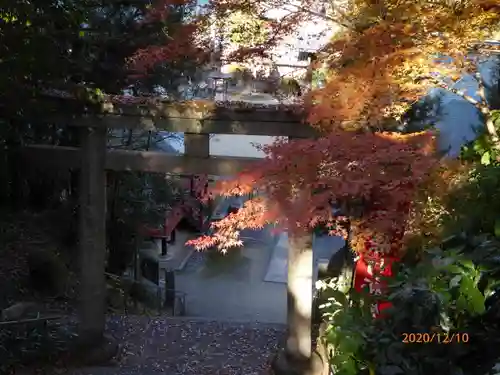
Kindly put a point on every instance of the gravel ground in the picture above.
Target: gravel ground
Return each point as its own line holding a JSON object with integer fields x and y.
{"x": 190, "y": 347}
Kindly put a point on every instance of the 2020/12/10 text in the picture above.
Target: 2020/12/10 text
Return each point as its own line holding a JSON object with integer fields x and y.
{"x": 438, "y": 338}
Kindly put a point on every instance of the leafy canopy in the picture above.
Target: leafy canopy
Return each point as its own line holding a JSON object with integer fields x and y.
{"x": 385, "y": 58}
{"x": 372, "y": 176}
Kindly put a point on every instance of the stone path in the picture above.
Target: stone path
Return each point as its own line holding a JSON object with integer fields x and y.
{"x": 234, "y": 288}
{"x": 250, "y": 284}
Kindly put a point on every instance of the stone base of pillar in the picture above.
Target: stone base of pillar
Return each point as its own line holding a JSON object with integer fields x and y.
{"x": 284, "y": 364}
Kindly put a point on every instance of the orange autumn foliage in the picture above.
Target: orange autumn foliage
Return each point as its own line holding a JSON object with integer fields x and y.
{"x": 392, "y": 53}
{"x": 372, "y": 176}
{"x": 382, "y": 61}
{"x": 386, "y": 43}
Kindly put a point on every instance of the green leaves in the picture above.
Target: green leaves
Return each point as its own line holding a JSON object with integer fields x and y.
{"x": 338, "y": 297}
{"x": 345, "y": 333}
{"x": 486, "y": 158}
{"x": 455, "y": 281}
{"x": 444, "y": 292}
{"x": 482, "y": 148}
{"x": 495, "y": 116}
{"x": 470, "y": 297}
{"x": 496, "y": 229}
{"x": 462, "y": 277}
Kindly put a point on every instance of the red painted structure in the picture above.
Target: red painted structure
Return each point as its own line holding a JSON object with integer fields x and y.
{"x": 371, "y": 269}
{"x": 190, "y": 208}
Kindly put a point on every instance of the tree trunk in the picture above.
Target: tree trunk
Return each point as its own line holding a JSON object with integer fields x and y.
{"x": 92, "y": 235}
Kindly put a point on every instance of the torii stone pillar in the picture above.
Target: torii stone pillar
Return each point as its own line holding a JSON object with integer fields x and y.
{"x": 298, "y": 358}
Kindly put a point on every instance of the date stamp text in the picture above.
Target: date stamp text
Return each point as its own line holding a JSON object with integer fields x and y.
{"x": 437, "y": 338}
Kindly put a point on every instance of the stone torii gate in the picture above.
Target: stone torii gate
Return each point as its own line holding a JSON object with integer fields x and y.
{"x": 197, "y": 121}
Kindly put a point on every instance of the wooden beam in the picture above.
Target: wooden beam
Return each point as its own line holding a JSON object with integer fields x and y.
{"x": 126, "y": 160}
{"x": 238, "y": 125}
{"x": 92, "y": 236}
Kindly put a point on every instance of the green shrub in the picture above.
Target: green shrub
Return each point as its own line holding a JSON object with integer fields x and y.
{"x": 448, "y": 295}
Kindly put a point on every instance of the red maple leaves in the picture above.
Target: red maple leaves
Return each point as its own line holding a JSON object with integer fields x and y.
{"x": 372, "y": 177}
{"x": 181, "y": 40}
{"x": 180, "y": 45}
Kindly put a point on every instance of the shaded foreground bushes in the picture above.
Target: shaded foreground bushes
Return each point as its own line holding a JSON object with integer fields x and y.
{"x": 446, "y": 288}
